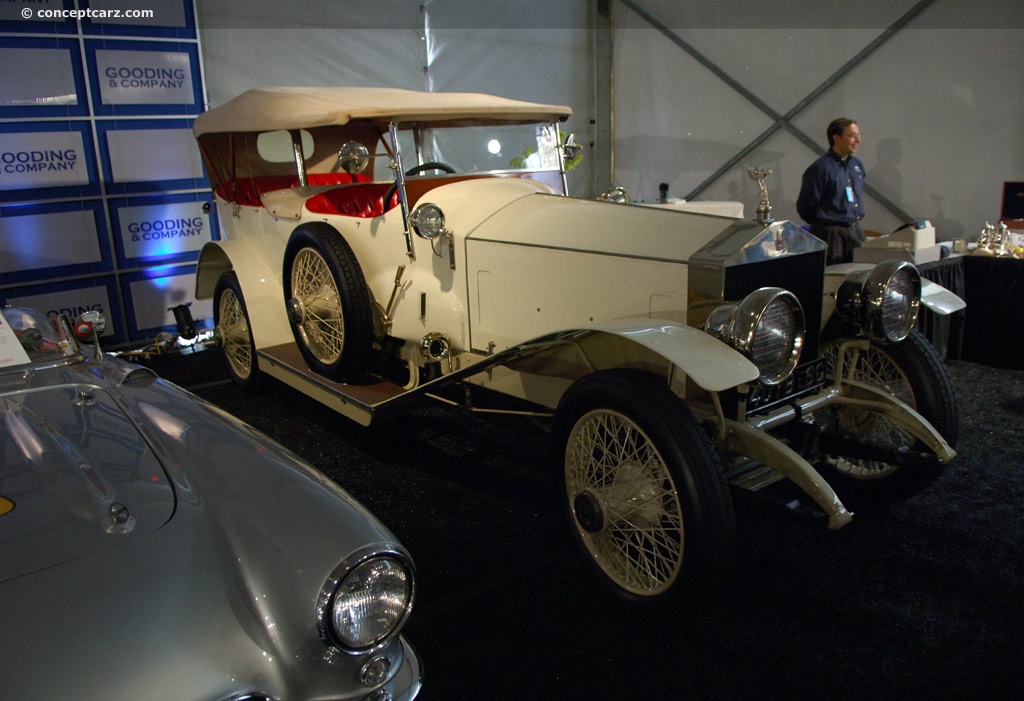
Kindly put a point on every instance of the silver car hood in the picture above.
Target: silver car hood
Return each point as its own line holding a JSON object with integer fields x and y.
{"x": 76, "y": 476}
{"x": 202, "y": 583}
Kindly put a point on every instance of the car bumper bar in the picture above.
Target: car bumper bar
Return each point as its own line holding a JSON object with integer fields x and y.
{"x": 753, "y": 438}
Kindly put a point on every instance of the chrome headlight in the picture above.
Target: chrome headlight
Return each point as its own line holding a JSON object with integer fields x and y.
{"x": 363, "y": 605}
{"x": 427, "y": 220}
{"x": 767, "y": 327}
{"x": 881, "y": 302}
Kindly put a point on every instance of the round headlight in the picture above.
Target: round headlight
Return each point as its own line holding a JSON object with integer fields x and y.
{"x": 369, "y": 603}
{"x": 767, "y": 327}
{"x": 881, "y": 302}
{"x": 428, "y": 221}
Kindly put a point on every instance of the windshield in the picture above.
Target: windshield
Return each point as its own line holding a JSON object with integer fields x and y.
{"x": 29, "y": 337}
{"x": 484, "y": 148}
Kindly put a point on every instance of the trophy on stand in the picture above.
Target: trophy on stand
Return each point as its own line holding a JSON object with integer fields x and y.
{"x": 764, "y": 210}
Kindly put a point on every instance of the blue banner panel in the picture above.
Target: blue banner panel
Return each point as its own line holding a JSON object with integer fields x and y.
{"x": 161, "y": 229}
{"x": 151, "y": 295}
{"x": 46, "y": 160}
{"x": 48, "y": 82}
{"x": 171, "y": 19}
{"x": 150, "y": 156}
{"x": 53, "y": 240}
{"x": 71, "y": 298}
{"x": 131, "y": 78}
{"x": 38, "y": 16}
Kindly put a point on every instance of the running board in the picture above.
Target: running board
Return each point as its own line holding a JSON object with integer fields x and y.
{"x": 358, "y": 402}
{"x": 376, "y": 397}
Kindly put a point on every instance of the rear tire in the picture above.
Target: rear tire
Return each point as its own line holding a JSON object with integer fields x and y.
{"x": 231, "y": 317}
{"x": 646, "y": 498}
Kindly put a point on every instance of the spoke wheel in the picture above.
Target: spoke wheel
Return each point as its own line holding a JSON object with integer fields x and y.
{"x": 322, "y": 325}
{"x": 328, "y": 303}
{"x": 913, "y": 372}
{"x": 626, "y": 504}
{"x": 232, "y": 320}
{"x": 646, "y": 499}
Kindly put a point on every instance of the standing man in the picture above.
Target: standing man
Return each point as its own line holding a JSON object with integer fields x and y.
{"x": 831, "y": 196}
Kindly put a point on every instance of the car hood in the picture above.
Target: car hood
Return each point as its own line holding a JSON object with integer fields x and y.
{"x": 76, "y": 476}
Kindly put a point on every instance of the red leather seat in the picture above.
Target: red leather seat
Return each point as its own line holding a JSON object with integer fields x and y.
{"x": 356, "y": 196}
{"x": 248, "y": 190}
{"x": 357, "y": 200}
{"x": 339, "y": 178}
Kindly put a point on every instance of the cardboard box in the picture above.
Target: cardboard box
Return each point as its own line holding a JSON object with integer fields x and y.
{"x": 913, "y": 242}
{"x": 880, "y": 254}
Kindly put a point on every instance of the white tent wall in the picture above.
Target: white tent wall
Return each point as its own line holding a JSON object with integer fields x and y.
{"x": 530, "y": 50}
{"x": 938, "y": 101}
{"x": 254, "y": 43}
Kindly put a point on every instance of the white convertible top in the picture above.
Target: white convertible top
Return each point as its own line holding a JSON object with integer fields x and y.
{"x": 266, "y": 109}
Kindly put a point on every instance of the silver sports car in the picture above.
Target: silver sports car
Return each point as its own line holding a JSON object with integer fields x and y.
{"x": 153, "y": 547}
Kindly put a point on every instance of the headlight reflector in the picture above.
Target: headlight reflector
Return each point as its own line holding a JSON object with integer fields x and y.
{"x": 767, "y": 327}
{"x": 881, "y": 302}
{"x": 368, "y": 604}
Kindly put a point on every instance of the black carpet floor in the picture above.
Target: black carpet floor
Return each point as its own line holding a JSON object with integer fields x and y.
{"x": 922, "y": 601}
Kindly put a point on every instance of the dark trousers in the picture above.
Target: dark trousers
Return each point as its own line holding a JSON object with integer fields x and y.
{"x": 840, "y": 239}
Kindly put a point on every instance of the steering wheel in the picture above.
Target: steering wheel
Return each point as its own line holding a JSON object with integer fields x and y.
{"x": 431, "y": 165}
{"x": 416, "y": 170}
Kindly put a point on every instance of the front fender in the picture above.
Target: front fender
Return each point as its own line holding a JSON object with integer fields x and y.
{"x": 631, "y": 342}
{"x": 934, "y": 296}
{"x": 939, "y": 299}
{"x": 711, "y": 364}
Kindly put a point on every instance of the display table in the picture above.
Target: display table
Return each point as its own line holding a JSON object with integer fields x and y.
{"x": 945, "y": 331}
{"x": 994, "y": 292}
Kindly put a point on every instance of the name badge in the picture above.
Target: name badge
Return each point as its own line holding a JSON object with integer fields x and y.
{"x": 849, "y": 194}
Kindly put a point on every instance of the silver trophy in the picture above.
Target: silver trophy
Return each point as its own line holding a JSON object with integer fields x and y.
{"x": 764, "y": 210}
{"x": 995, "y": 241}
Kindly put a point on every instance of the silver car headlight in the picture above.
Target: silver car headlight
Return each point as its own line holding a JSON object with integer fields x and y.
{"x": 767, "y": 327}
{"x": 881, "y": 302}
{"x": 363, "y": 605}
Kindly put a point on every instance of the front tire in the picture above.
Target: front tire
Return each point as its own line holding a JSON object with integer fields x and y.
{"x": 328, "y": 303}
{"x": 647, "y": 501}
{"x": 231, "y": 318}
{"x": 913, "y": 372}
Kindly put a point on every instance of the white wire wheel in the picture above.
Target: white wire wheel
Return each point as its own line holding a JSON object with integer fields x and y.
{"x": 327, "y": 302}
{"x": 232, "y": 321}
{"x": 625, "y": 502}
{"x": 323, "y": 324}
{"x": 647, "y": 501}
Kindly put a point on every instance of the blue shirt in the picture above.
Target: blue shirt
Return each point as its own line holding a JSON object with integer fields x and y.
{"x": 832, "y": 191}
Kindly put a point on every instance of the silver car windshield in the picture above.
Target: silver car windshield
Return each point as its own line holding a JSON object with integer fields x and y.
{"x": 28, "y": 337}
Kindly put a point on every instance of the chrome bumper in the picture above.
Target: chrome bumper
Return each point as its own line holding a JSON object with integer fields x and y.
{"x": 752, "y": 439}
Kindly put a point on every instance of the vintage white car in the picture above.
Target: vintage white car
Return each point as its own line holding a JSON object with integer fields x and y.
{"x": 153, "y": 547}
{"x": 383, "y": 246}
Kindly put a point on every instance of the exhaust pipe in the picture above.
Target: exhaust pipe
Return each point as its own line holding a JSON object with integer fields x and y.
{"x": 435, "y": 346}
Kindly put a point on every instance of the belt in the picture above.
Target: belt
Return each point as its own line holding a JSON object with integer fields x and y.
{"x": 847, "y": 225}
